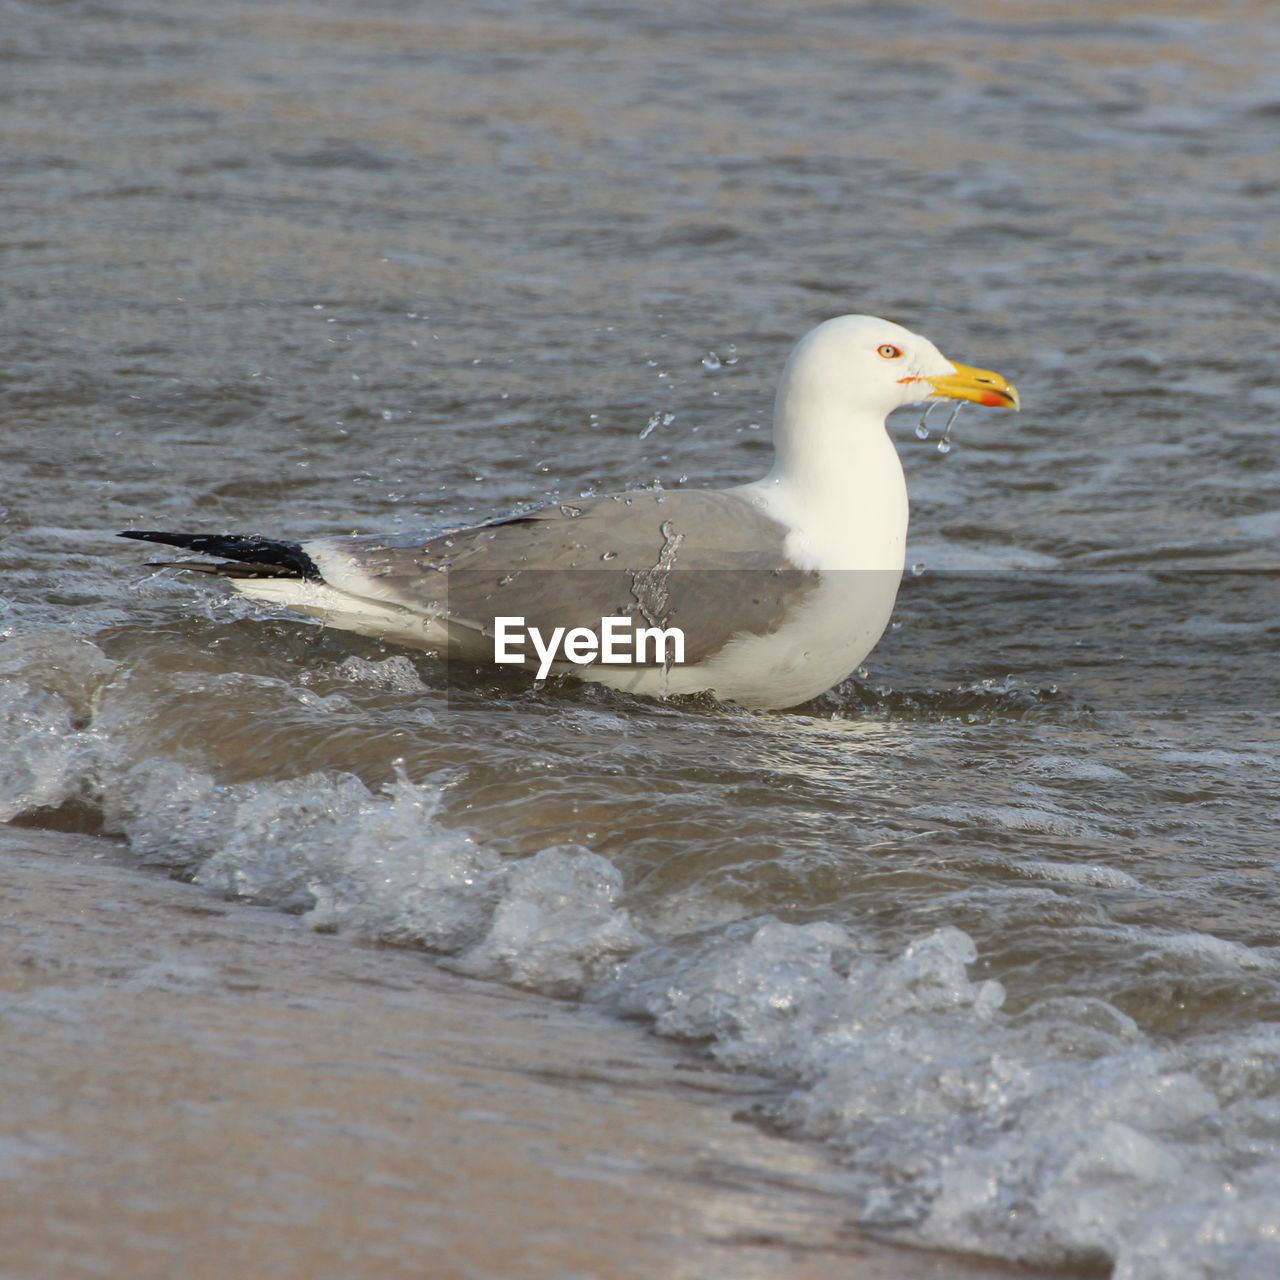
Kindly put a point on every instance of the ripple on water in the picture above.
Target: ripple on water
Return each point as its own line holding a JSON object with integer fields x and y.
{"x": 999, "y": 916}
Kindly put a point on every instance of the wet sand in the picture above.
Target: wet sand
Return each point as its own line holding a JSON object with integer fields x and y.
{"x": 198, "y": 1088}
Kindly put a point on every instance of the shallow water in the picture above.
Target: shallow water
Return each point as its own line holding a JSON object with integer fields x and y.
{"x": 1001, "y": 910}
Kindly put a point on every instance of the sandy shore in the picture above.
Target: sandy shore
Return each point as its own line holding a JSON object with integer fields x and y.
{"x": 198, "y": 1089}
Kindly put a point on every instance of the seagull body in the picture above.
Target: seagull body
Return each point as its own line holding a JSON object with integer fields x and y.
{"x": 780, "y": 587}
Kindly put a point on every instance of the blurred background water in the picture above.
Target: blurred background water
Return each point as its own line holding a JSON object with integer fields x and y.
{"x": 999, "y": 913}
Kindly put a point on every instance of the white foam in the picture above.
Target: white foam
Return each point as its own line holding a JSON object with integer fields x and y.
{"x": 1011, "y": 817}
{"x": 1221, "y": 758}
{"x": 384, "y": 866}
{"x": 1071, "y": 769}
{"x": 557, "y": 923}
{"x": 41, "y": 756}
{"x": 49, "y": 682}
{"x": 396, "y": 673}
{"x": 1217, "y": 952}
{"x": 1057, "y": 1134}
{"x": 1059, "y": 1137}
{"x": 1078, "y": 873}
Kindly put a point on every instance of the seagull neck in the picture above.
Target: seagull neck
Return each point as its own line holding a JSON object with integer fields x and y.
{"x": 839, "y": 487}
{"x": 836, "y": 459}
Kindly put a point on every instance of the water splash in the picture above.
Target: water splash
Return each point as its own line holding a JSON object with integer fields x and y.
{"x": 657, "y": 420}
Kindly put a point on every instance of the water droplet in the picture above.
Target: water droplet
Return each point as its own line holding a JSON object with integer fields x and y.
{"x": 922, "y": 427}
{"x": 917, "y": 569}
{"x": 944, "y": 445}
{"x": 655, "y": 421}
{"x": 506, "y": 579}
{"x": 863, "y": 673}
{"x": 609, "y": 555}
{"x": 571, "y": 513}
{"x": 711, "y": 361}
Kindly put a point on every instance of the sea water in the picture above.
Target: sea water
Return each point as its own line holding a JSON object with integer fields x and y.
{"x": 999, "y": 915}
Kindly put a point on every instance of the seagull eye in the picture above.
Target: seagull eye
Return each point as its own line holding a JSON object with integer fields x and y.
{"x": 891, "y": 352}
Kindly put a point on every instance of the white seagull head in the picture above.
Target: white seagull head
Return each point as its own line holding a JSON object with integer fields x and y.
{"x": 872, "y": 366}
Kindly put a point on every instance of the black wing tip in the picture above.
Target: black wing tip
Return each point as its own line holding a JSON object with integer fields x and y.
{"x": 251, "y": 553}
{"x": 150, "y": 535}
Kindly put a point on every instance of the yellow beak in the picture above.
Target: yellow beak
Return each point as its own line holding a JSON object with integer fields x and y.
{"x": 979, "y": 385}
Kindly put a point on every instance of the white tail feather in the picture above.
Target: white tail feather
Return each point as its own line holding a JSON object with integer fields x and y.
{"x": 346, "y": 612}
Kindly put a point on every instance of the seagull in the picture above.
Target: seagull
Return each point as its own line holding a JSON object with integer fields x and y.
{"x": 777, "y": 590}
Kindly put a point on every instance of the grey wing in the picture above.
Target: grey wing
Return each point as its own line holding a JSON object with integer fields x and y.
{"x": 705, "y": 561}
